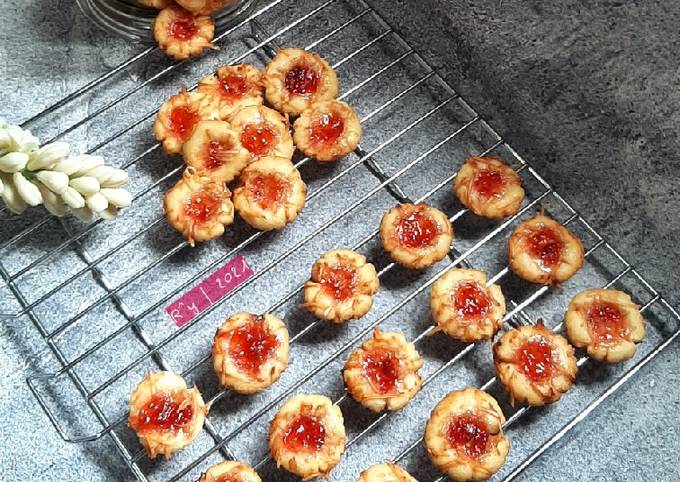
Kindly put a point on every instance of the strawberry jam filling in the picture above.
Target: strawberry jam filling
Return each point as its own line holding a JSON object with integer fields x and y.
{"x": 470, "y": 300}
{"x": 381, "y": 368}
{"x": 417, "y": 230}
{"x": 227, "y": 478}
{"x": 607, "y": 322}
{"x": 183, "y": 27}
{"x": 338, "y": 281}
{"x": 535, "y": 359}
{"x": 302, "y": 79}
{"x": 327, "y": 129}
{"x": 218, "y": 154}
{"x": 233, "y": 87}
{"x": 258, "y": 139}
{"x": 488, "y": 183}
{"x": 305, "y": 434}
{"x": 202, "y": 206}
{"x": 268, "y": 190}
{"x": 468, "y": 435}
{"x": 182, "y": 121}
{"x": 163, "y": 412}
{"x": 546, "y": 246}
{"x": 251, "y": 345}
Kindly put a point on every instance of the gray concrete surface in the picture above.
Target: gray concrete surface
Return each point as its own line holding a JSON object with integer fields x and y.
{"x": 588, "y": 93}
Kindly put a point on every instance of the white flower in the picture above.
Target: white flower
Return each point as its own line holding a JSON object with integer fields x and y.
{"x": 87, "y": 163}
{"x": 27, "y": 190}
{"x": 73, "y": 198}
{"x": 109, "y": 214}
{"x": 85, "y": 185}
{"x": 102, "y": 173}
{"x": 68, "y": 166}
{"x": 84, "y": 214}
{"x": 11, "y": 197}
{"x": 97, "y": 202}
{"x": 5, "y": 139}
{"x": 118, "y": 197}
{"x": 48, "y": 155}
{"x": 117, "y": 179}
{"x": 13, "y": 162}
{"x": 53, "y": 203}
{"x": 54, "y": 180}
{"x": 22, "y": 140}
{"x": 2, "y": 184}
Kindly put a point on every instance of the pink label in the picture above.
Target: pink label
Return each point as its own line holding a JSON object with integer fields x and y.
{"x": 209, "y": 291}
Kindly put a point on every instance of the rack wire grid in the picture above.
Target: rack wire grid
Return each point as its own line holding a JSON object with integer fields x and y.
{"x": 96, "y": 292}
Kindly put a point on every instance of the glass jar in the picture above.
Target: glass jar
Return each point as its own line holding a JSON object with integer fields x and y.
{"x": 132, "y": 21}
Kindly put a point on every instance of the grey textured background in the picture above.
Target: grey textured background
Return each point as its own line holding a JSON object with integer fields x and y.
{"x": 588, "y": 93}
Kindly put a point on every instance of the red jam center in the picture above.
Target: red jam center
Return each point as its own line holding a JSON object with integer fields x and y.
{"x": 182, "y": 121}
{"x": 417, "y": 230}
{"x": 227, "y": 478}
{"x": 607, "y": 322}
{"x": 218, "y": 154}
{"x": 201, "y": 207}
{"x": 163, "y": 412}
{"x": 536, "y": 360}
{"x": 302, "y": 80}
{"x": 468, "y": 435}
{"x": 183, "y": 28}
{"x": 268, "y": 190}
{"x": 251, "y": 345}
{"x": 338, "y": 281}
{"x": 259, "y": 139}
{"x": 488, "y": 183}
{"x": 327, "y": 128}
{"x": 233, "y": 86}
{"x": 470, "y": 300}
{"x": 305, "y": 434}
{"x": 546, "y": 246}
{"x": 381, "y": 367}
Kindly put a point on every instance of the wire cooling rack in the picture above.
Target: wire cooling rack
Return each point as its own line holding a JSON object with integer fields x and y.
{"x": 97, "y": 292}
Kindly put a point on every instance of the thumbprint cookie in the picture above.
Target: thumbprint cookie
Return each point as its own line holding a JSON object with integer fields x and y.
{"x": 205, "y": 7}
{"x": 178, "y": 117}
{"x": 464, "y": 436}
{"x": 250, "y": 352}
{"x": 386, "y": 472}
{"x": 535, "y": 364}
{"x": 263, "y": 132}
{"x": 295, "y": 79}
{"x": 198, "y": 207}
{"x": 541, "y": 250}
{"x": 464, "y": 307}
{"x": 307, "y": 436}
{"x": 341, "y": 287}
{"x": 488, "y": 187}
{"x": 232, "y": 88}
{"x": 416, "y": 235}
{"x": 327, "y": 131}
{"x": 606, "y": 323}
{"x": 383, "y": 373}
{"x": 181, "y": 35}
{"x": 165, "y": 414}
{"x": 230, "y": 471}
{"x": 214, "y": 150}
{"x": 270, "y": 193}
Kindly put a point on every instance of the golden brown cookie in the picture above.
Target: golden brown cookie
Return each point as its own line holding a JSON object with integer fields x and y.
{"x": 230, "y": 471}
{"x": 606, "y": 323}
{"x": 232, "y": 88}
{"x": 416, "y": 235}
{"x": 214, "y": 150}
{"x": 181, "y": 35}
{"x": 535, "y": 364}
{"x": 177, "y": 119}
{"x": 263, "y": 132}
{"x": 341, "y": 287}
{"x": 464, "y": 307}
{"x": 382, "y": 374}
{"x": 250, "y": 352}
{"x": 387, "y": 472}
{"x": 307, "y": 436}
{"x": 165, "y": 414}
{"x": 541, "y": 250}
{"x": 464, "y": 435}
